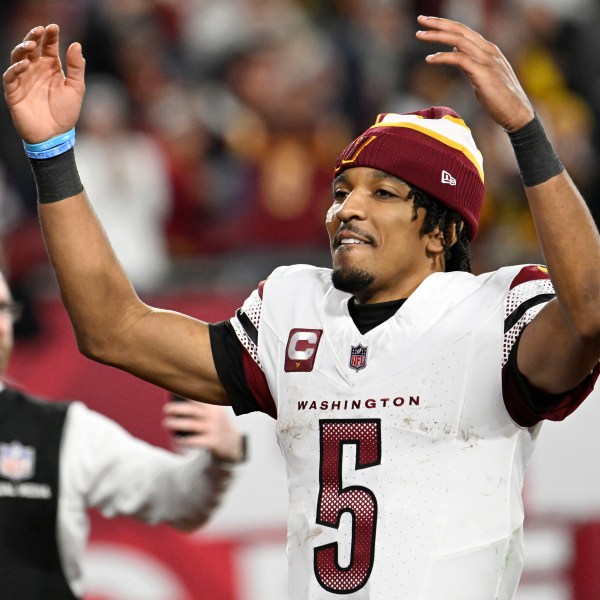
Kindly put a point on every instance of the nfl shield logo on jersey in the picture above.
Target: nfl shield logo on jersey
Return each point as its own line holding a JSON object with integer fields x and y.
{"x": 358, "y": 357}
{"x": 17, "y": 462}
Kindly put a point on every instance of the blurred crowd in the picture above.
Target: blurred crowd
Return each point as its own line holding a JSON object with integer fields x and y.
{"x": 210, "y": 127}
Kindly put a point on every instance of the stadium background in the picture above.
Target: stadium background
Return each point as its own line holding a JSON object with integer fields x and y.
{"x": 209, "y": 132}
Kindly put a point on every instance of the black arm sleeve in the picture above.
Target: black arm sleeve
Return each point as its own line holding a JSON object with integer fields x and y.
{"x": 228, "y": 356}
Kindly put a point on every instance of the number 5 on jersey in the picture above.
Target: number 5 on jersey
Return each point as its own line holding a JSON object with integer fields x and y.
{"x": 359, "y": 501}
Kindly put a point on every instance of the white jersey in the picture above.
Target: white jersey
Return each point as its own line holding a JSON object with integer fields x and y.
{"x": 404, "y": 467}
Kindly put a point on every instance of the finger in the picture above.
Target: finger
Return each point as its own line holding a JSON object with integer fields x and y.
{"x": 468, "y": 64}
{"x": 50, "y": 41}
{"x": 75, "y": 65}
{"x": 195, "y": 441}
{"x": 194, "y": 409}
{"x": 24, "y": 50}
{"x": 184, "y": 424}
{"x": 459, "y": 43}
{"x": 440, "y": 24}
{"x": 11, "y": 75}
{"x": 35, "y": 35}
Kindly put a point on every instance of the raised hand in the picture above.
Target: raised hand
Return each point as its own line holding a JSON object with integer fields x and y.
{"x": 494, "y": 81}
{"x": 198, "y": 425}
{"x": 42, "y": 101}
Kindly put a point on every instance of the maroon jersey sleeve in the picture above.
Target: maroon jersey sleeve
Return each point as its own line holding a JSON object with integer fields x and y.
{"x": 528, "y": 405}
{"x": 529, "y": 292}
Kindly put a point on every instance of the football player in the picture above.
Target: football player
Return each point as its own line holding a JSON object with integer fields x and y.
{"x": 408, "y": 392}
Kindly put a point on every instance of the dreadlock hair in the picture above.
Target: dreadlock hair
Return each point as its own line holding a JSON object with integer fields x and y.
{"x": 458, "y": 255}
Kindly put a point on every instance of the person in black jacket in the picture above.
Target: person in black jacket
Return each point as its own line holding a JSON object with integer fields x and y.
{"x": 59, "y": 458}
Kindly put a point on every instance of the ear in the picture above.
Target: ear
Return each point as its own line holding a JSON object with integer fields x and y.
{"x": 435, "y": 241}
{"x": 455, "y": 232}
{"x": 436, "y": 238}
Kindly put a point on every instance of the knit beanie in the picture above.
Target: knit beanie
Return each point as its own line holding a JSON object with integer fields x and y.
{"x": 430, "y": 149}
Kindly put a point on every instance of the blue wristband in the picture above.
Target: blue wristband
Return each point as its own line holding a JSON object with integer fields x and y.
{"x": 53, "y": 147}
{"x": 43, "y": 154}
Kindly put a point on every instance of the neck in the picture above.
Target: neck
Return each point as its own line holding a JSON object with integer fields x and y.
{"x": 398, "y": 292}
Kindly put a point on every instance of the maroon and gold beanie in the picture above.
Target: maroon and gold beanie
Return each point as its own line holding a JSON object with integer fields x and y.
{"x": 431, "y": 149}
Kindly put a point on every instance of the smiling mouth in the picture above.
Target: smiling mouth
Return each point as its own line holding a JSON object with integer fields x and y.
{"x": 348, "y": 238}
{"x": 351, "y": 241}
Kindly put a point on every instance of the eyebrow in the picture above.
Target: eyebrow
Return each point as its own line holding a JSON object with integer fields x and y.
{"x": 375, "y": 175}
{"x": 383, "y": 175}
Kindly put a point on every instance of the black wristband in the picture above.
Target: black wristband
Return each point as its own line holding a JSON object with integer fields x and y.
{"x": 535, "y": 155}
{"x": 56, "y": 178}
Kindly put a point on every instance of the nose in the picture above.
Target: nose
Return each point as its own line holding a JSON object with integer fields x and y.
{"x": 6, "y": 325}
{"x": 6, "y": 329}
{"x": 353, "y": 207}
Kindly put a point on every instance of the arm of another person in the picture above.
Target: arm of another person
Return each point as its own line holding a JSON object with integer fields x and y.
{"x": 560, "y": 347}
{"x": 112, "y": 325}
{"x": 122, "y": 475}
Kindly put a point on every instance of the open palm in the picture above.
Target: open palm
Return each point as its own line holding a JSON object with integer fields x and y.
{"x": 42, "y": 101}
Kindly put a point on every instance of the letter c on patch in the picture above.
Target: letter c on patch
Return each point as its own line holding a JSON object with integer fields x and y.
{"x": 301, "y": 349}
{"x": 302, "y": 339}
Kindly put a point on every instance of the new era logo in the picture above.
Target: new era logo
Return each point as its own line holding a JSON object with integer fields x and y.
{"x": 447, "y": 178}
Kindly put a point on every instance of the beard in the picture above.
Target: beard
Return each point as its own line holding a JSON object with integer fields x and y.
{"x": 352, "y": 281}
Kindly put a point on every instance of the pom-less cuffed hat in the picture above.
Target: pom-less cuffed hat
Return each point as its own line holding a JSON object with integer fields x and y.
{"x": 430, "y": 149}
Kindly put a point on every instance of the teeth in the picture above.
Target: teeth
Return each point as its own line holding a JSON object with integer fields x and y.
{"x": 351, "y": 241}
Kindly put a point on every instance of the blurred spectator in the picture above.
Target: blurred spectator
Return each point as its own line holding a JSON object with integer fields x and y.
{"x": 21, "y": 251}
{"x": 125, "y": 172}
{"x": 11, "y": 211}
{"x": 569, "y": 30}
{"x": 372, "y": 39}
{"x": 287, "y": 133}
{"x": 213, "y": 32}
{"x": 204, "y": 181}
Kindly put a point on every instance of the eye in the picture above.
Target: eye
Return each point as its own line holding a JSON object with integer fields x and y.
{"x": 339, "y": 195}
{"x": 383, "y": 193}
